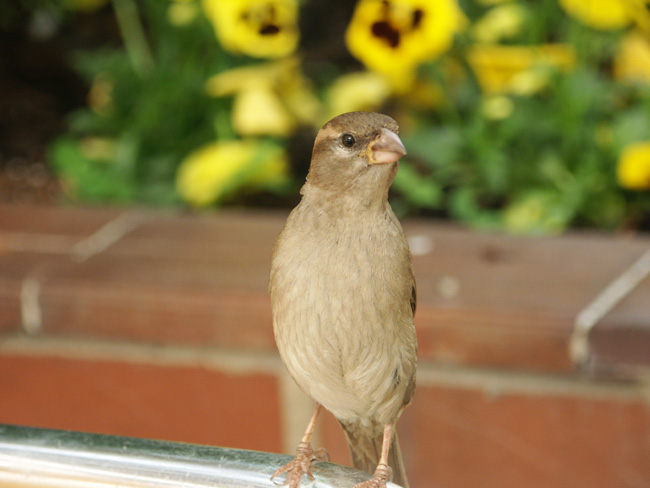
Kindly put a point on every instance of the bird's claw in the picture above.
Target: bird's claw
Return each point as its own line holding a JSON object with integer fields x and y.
{"x": 382, "y": 474}
{"x": 300, "y": 464}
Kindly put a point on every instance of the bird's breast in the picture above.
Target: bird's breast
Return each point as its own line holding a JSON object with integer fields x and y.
{"x": 342, "y": 318}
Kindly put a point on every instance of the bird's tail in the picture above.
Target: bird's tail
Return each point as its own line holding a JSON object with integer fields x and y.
{"x": 365, "y": 451}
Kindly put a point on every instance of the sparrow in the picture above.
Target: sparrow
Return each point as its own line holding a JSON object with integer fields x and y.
{"x": 343, "y": 296}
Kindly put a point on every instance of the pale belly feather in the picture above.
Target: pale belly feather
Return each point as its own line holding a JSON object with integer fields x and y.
{"x": 340, "y": 339}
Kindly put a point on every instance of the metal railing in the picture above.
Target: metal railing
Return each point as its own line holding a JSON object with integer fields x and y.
{"x": 32, "y": 457}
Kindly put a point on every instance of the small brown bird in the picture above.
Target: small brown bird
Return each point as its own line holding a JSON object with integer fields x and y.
{"x": 343, "y": 296}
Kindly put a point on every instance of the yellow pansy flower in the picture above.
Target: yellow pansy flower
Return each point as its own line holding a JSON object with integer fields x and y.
{"x": 633, "y": 170}
{"x": 605, "y": 14}
{"x": 214, "y": 170}
{"x": 270, "y": 98}
{"x": 632, "y": 61}
{"x": 233, "y": 80}
{"x": 257, "y": 28}
{"x": 500, "y": 22}
{"x": 259, "y": 111}
{"x": 361, "y": 91}
{"x": 393, "y": 37}
{"x": 520, "y": 70}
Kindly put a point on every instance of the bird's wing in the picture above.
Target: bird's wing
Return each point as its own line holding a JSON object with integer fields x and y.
{"x": 414, "y": 297}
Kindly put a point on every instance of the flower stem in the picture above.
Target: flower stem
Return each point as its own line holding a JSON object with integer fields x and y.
{"x": 135, "y": 41}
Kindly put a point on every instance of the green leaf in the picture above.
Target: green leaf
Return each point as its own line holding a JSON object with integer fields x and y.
{"x": 419, "y": 191}
{"x": 86, "y": 179}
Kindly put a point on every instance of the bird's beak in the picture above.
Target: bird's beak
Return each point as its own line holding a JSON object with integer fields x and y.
{"x": 385, "y": 149}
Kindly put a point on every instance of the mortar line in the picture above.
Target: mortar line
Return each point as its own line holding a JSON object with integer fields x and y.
{"x": 496, "y": 382}
{"x": 296, "y": 407}
{"x": 492, "y": 382}
{"x": 218, "y": 359}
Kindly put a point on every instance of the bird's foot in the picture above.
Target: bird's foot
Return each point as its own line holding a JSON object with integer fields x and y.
{"x": 382, "y": 474}
{"x": 300, "y": 464}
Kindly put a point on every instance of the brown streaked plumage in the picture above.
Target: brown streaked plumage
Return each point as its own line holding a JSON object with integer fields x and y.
{"x": 343, "y": 295}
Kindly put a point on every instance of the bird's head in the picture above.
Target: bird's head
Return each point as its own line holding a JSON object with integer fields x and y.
{"x": 356, "y": 153}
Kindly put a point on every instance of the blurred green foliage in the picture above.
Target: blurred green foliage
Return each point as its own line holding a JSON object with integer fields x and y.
{"x": 553, "y": 156}
{"x": 156, "y": 111}
{"x": 536, "y": 157}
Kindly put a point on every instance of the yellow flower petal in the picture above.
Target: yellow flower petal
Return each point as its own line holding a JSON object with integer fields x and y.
{"x": 272, "y": 170}
{"x": 204, "y": 174}
{"x": 296, "y": 92}
{"x": 517, "y": 69}
{"x": 304, "y": 105}
{"x": 528, "y": 82}
{"x": 603, "y": 14}
{"x": 258, "y": 111}
{"x": 277, "y": 93}
{"x": 632, "y": 62}
{"x": 633, "y": 170}
{"x": 211, "y": 171}
{"x": 237, "y": 79}
{"x": 501, "y": 22}
{"x": 258, "y": 28}
{"x": 393, "y": 37}
{"x": 353, "y": 92}
{"x": 497, "y": 107}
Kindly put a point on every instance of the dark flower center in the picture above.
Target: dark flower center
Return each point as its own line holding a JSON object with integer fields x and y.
{"x": 417, "y": 18}
{"x": 266, "y": 20}
{"x": 383, "y": 29}
{"x": 269, "y": 29}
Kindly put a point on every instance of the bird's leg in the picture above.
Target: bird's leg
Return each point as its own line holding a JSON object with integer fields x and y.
{"x": 383, "y": 471}
{"x": 305, "y": 456}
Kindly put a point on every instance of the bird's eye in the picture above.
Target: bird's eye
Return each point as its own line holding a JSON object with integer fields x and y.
{"x": 348, "y": 140}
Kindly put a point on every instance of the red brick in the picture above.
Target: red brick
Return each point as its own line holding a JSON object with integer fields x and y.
{"x": 15, "y": 268}
{"x": 252, "y": 229}
{"x": 516, "y": 298}
{"x": 230, "y": 250}
{"x": 10, "y": 313}
{"x": 177, "y": 403}
{"x": 33, "y": 240}
{"x": 334, "y": 439}
{"x": 469, "y": 438}
{"x": 620, "y": 342}
{"x": 337, "y": 447}
{"x": 44, "y": 219}
{"x": 107, "y": 304}
{"x": 187, "y": 278}
{"x": 491, "y": 338}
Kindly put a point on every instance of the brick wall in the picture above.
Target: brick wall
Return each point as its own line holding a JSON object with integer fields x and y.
{"x": 157, "y": 325}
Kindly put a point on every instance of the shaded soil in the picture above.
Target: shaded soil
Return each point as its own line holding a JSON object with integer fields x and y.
{"x": 38, "y": 88}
